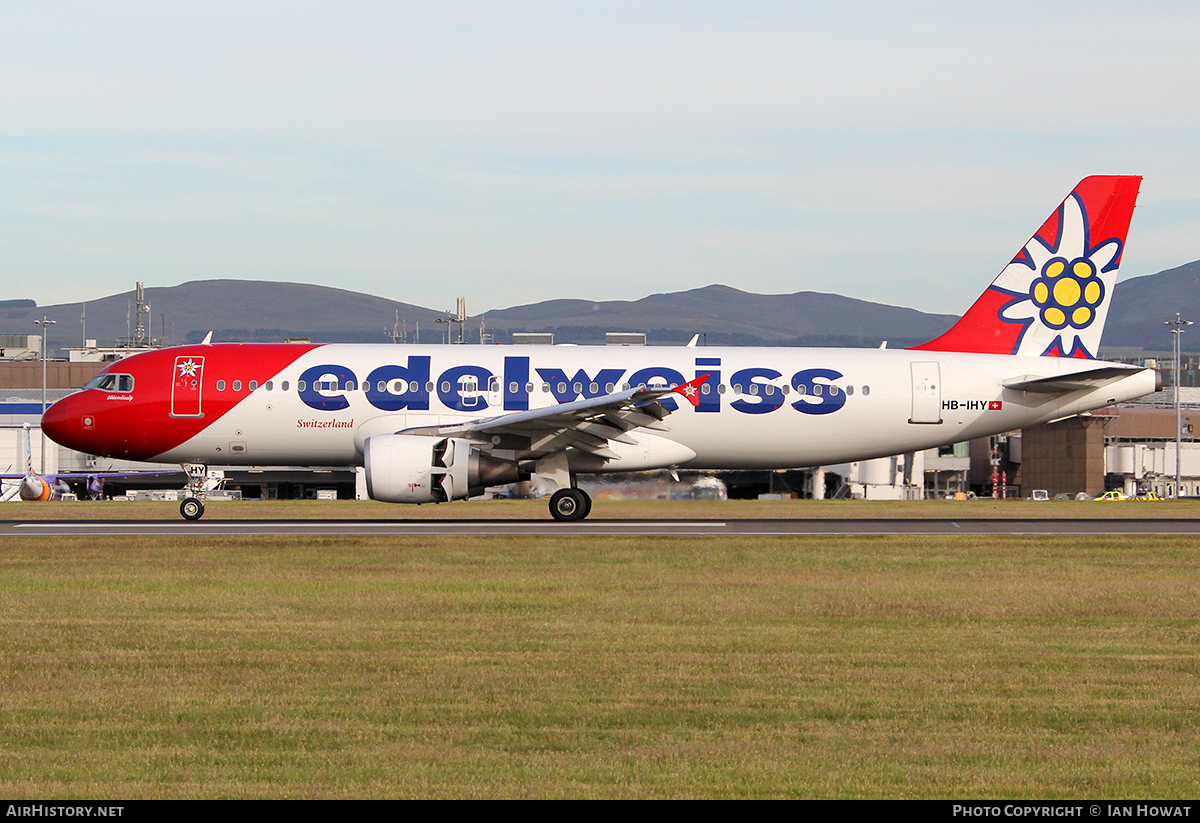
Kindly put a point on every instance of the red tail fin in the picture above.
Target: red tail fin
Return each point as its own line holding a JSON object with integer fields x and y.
{"x": 1053, "y": 298}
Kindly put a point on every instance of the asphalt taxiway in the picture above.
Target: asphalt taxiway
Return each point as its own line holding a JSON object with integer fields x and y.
{"x": 593, "y": 527}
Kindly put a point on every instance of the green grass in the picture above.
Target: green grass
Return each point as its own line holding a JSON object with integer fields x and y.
{"x": 599, "y": 667}
{"x": 611, "y": 508}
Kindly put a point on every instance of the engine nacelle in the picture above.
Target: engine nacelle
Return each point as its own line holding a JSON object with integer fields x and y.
{"x": 410, "y": 468}
{"x": 34, "y": 488}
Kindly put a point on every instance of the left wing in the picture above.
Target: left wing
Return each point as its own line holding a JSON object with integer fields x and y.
{"x": 588, "y": 425}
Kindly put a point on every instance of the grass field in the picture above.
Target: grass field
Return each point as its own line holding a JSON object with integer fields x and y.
{"x": 600, "y": 667}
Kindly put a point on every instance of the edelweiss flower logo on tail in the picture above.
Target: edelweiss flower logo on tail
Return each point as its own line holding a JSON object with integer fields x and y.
{"x": 1059, "y": 289}
{"x": 1068, "y": 293}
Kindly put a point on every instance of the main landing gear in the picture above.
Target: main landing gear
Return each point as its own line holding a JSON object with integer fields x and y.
{"x": 570, "y": 504}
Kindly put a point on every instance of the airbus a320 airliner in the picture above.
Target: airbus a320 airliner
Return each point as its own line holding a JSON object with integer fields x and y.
{"x": 437, "y": 423}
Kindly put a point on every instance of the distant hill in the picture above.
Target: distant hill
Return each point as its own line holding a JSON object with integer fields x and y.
{"x": 725, "y": 315}
{"x": 259, "y": 311}
{"x": 241, "y": 310}
{"x": 248, "y": 310}
{"x": 1142, "y": 304}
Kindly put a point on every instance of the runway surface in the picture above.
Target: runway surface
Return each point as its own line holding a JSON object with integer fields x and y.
{"x": 641, "y": 528}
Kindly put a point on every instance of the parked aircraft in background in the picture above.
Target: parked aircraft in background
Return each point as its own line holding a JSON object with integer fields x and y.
{"x": 437, "y": 423}
{"x": 33, "y": 487}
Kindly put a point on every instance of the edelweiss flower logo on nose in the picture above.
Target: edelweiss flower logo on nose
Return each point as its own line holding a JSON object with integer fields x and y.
{"x": 1068, "y": 293}
{"x": 187, "y": 368}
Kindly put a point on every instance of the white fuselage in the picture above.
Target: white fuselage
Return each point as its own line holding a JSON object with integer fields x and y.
{"x": 856, "y": 403}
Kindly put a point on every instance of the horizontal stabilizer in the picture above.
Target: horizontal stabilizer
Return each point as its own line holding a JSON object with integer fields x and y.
{"x": 1064, "y": 383}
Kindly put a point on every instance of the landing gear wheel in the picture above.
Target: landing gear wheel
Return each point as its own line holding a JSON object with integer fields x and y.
{"x": 587, "y": 504}
{"x": 569, "y": 504}
{"x": 192, "y": 508}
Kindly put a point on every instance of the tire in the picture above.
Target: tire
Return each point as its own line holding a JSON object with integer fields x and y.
{"x": 569, "y": 504}
{"x": 587, "y": 504}
{"x": 192, "y": 508}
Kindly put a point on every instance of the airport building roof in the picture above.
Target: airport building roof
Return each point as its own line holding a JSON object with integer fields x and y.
{"x": 1189, "y": 397}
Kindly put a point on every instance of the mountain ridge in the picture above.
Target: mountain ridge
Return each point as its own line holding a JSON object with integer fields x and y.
{"x": 256, "y": 310}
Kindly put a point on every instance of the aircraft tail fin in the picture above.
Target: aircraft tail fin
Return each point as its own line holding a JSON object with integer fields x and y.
{"x": 27, "y": 450}
{"x": 1053, "y": 298}
{"x": 33, "y": 486}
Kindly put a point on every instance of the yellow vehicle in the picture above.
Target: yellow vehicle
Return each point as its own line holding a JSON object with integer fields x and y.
{"x": 1113, "y": 495}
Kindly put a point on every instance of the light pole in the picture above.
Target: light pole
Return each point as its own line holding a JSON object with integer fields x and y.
{"x": 45, "y": 323}
{"x": 1175, "y": 350}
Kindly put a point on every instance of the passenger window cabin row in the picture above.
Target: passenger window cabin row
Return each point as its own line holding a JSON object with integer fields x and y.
{"x": 400, "y": 387}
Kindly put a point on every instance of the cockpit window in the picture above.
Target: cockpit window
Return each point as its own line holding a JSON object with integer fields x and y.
{"x": 111, "y": 382}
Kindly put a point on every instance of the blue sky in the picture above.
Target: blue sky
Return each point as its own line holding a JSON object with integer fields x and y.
{"x": 515, "y": 152}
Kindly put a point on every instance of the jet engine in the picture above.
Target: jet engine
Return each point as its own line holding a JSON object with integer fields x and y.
{"x": 409, "y": 468}
{"x": 35, "y": 488}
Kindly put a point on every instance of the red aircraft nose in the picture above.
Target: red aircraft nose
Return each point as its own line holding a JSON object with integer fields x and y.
{"x": 67, "y": 424}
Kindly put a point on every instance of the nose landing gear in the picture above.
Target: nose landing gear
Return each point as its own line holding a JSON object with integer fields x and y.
{"x": 192, "y": 507}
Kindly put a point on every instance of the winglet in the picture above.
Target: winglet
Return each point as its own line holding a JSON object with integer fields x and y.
{"x": 690, "y": 391}
{"x": 207, "y": 341}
